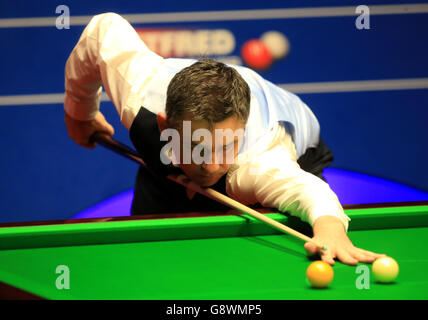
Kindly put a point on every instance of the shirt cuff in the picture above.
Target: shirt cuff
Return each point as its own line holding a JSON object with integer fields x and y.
{"x": 335, "y": 211}
{"x": 80, "y": 109}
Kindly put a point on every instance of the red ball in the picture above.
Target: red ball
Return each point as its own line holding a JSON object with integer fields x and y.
{"x": 256, "y": 54}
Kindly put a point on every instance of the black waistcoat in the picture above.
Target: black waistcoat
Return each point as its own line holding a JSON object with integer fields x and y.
{"x": 153, "y": 192}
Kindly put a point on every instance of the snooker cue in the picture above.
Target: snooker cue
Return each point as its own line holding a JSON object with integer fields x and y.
{"x": 110, "y": 143}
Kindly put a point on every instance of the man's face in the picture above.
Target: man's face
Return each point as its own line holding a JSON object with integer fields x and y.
{"x": 211, "y": 154}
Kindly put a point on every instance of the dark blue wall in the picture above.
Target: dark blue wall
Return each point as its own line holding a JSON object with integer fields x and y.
{"x": 46, "y": 176}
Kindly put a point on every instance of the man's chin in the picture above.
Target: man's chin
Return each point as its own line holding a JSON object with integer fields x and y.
{"x": 206, "y": 182}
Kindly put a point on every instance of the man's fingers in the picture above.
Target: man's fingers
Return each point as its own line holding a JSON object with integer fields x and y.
{"x": 345, "y": 253}
{"x": 363, "y": 257}
{"x": 81, "y": 131}
{"x": 346, "y": 257}
{"x": 110, "y": 129}
{"x": 368, "y": 255}
{"x": 311, "y": 248}
{"x": 87, "y": 141}
{"x": 372, "y": 254}
{"x": 87, "y": 145}
{"x": 101, "y": 124}
{"x": 105, "y": 127}
{"x": 328, "y": 258}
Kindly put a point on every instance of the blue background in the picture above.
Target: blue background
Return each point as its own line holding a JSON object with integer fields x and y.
{"x": 383, "y": 133}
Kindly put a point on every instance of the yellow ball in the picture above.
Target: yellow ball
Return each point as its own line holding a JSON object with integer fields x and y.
{"x": 385, "y": 269}
{"x": 319, "y": 274}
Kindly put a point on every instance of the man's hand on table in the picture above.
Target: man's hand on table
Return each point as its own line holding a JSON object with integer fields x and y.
{"x": 81, "y": 131}
{"x": 330, "y": 231}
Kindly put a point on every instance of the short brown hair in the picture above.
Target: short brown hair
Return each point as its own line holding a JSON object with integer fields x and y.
{"x": 208, "y": 90}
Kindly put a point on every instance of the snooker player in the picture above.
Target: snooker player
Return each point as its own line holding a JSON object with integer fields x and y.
{"x": 278, "y": 158}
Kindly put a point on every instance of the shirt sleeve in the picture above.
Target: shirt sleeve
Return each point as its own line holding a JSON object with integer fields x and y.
{"x": 271, "y": 176}
{"x": 109, "y": 53}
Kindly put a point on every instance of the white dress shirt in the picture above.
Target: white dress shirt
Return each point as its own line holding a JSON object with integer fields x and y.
{"x": 110, "y": 53}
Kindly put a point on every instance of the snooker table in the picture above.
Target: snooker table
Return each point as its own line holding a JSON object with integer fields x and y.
{"x": 205, "y": 256}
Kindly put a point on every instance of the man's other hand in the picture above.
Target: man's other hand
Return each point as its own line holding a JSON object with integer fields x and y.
{"x": 81, "y": 131}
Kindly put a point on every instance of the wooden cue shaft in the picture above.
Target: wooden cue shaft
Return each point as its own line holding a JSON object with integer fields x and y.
{"x": 219, "y": 197}
{"x": 122, "y": 149}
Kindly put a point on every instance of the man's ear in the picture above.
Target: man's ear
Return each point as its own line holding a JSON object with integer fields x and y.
{"x": 162, "y": 123}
